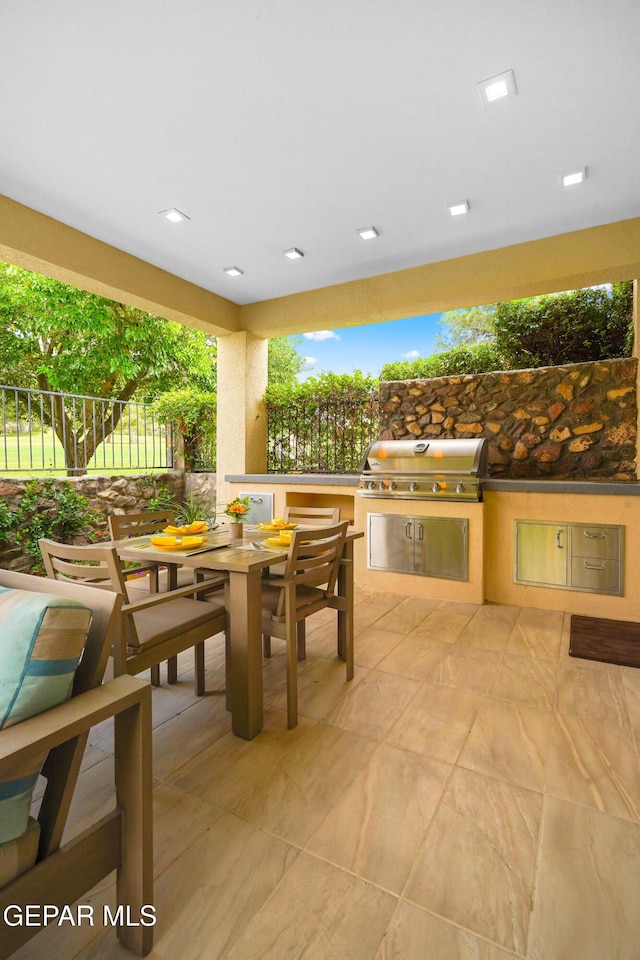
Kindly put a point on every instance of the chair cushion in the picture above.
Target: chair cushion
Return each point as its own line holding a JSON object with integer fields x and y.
{"x": 304, "y": 596}
{"x": 156, "y": 624}
{"x": 41, "y": 641}
{"x": 19, "y": 854}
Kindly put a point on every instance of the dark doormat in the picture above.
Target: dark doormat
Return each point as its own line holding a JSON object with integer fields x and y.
{"x": 614, "y": 641}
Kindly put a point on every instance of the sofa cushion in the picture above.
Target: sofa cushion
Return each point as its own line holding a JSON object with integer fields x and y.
{"x": 42, "y": 637}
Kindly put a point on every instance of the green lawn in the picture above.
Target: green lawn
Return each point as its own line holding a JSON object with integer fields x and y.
{"x": 24, "y": 454}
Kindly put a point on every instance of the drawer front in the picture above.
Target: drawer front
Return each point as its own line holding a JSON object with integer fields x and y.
{"x": 596, "y": 574}
{"x": 603, "y": 542}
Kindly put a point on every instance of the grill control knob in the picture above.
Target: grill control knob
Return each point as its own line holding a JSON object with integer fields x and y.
{"x": 435, "y": 487}
{"x": 459, "y": 488}
{"x": 381, "y": 485}
{"x": 370, "y": 485}
{"x": 413, "y": 486}
{"x": 392, "y": 485}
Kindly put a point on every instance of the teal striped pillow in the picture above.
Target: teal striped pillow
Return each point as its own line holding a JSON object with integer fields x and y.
{"x": 41, "y": 641}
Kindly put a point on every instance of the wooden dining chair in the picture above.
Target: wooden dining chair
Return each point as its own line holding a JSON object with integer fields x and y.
{"x": 308, "y": 584}
{"x": 312, "y": 515}
{"x": 150, "y": 576}
{"x": 305, "y": 516}
{"x": 153, "y": 628}
{"x": 125, "y": 525}
{"x": 40, "y": 627}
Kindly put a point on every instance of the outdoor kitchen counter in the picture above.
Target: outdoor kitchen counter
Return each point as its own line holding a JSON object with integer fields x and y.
{"x": 581, "y": 503}
{"x": 298, "y": 490}
{"x": 600, "y": 487}
{"x": 491, "y": 535}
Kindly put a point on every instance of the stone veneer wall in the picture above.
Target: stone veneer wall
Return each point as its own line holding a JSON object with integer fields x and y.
{"x": 577, "y": 421}
{"x": 106, "y": 495}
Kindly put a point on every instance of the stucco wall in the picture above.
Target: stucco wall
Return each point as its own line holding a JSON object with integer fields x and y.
{"x": 577, "y": 421}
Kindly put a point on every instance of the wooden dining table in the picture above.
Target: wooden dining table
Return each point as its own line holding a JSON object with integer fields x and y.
{"x": 244, "y": 561}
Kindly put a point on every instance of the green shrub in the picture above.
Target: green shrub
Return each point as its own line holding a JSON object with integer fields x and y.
{"x": 56, "y": 512}
{"x": 322, "y": 389}
{"x": 323, "y": 424}
{"x": 476, "y": 358}
{"x": 576, "y": 326}
{"x": 163, "y": 499}
{"x": 197, "y": 506}
{"x": 193, "y": 413}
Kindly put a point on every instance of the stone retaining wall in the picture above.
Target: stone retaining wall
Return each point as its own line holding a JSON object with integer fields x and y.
{"x": 577, "y": 421}
{"x": 106, "y": 495}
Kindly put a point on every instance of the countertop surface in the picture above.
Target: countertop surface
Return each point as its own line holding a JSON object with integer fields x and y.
{"x": 298, "y": 479}
{"x": 626, "y": 488}
{"x": 621, "y": 488}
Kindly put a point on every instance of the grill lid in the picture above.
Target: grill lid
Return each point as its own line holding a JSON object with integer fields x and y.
{"x": 453, "y": 456}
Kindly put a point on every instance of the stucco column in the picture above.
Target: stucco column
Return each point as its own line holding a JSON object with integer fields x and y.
{"x": 242, "y": 419}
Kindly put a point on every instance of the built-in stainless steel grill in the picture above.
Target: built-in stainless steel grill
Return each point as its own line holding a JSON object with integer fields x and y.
{"x": 449, "y": 469}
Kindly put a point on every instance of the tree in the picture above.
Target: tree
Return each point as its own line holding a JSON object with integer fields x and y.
{"x": 59, "y": 339}
{"x": 285, "y": 363}
{"x": 576, "y": 326}
{"x": 56, "y": 338}
{"x": 466, "y": 327}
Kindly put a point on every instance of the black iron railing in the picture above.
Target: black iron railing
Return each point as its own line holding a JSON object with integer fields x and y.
{"x": 329, "y": 438}
{"x": 45, "y": 432}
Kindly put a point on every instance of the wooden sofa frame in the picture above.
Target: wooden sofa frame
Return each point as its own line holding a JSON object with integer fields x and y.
{"x": 121, "y": 840}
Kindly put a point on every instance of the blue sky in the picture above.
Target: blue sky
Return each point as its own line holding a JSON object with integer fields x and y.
{"x": 368, "y": 348}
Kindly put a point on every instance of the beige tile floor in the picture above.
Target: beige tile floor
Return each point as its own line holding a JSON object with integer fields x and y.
{"x": 473, "y": 794}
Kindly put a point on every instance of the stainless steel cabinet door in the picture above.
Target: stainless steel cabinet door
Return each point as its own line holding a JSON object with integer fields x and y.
{"x": 391, "y": 543}
{"x": 441, "y": 547}
{"x": 541, "y": 553}
{"x": 260, "y": 506}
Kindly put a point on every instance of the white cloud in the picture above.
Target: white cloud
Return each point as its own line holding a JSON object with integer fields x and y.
{"x": 321, "y": 335}
{"x": 310, "y": 359}
{"x": 412, "y": 354}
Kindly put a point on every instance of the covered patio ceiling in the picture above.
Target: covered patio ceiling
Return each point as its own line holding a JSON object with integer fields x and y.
{"x": 280, "y": 125}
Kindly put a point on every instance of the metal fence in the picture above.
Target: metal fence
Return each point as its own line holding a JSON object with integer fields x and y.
{"x": 48, "y": 432}
{"x": 330, "y": 437}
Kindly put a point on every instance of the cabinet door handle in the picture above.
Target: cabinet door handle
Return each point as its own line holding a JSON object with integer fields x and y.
{"x": 407, "y": 530}
{"x": 595, "y": 536}
{"x": 558, "y": 544}
{"x": 420, "y": 531}
{"x": 594, "y": 566}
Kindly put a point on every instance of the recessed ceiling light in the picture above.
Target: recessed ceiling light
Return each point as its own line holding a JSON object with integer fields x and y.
{"x": 293, "y": 253}
{"x": 233, "y": 271}
{"x": 497, "y": 88}
{"x": 455, "y": 209}
{"x": 574, "y": 177}
{"x": 175, "y": 216}
{"x": 368, "y": 233}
